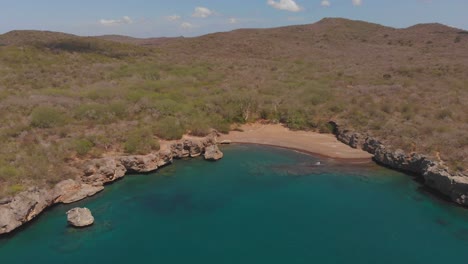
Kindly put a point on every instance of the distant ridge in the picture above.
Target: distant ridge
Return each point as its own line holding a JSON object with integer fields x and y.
{"x": 24, "y": 37}
{"x": 337, "y": 25}
{"x": 137, "y": 41}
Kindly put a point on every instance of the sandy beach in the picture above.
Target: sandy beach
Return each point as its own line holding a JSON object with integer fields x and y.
{"x": 310, "y": 142}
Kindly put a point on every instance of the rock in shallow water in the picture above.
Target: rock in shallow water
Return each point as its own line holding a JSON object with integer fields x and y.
{"x": 213, "y": 153}
{"x": 80, "y": 217}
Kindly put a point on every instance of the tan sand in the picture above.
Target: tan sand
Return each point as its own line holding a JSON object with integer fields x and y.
{"x": 310, "y": 142}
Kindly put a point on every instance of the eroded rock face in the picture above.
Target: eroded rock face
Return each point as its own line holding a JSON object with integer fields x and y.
{"x": 23, "y": 207}
{"x": 70, "y": 191}
{"x": 102, "y": 171}
{"x": 141, "y": 163}
{"x": 80, "y": 217}
{"x": 435, "y": 174}
{"x": 187, "y": 148}
{"x": 213, "y": 153}
{"x": 192, "y": 147}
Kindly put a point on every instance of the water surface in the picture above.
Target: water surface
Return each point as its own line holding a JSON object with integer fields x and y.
{"x": 258, "y": 205}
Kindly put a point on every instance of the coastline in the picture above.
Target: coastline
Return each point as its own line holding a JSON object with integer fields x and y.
{"x": 343, "y": 146}
{"x": 324, "y": 145}
{"x": 92, "y": 177}
{"x": 346, "y": 145}
{"x": 351, "y": 161}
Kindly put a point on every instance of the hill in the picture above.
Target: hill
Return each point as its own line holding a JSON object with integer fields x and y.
{"x": 65, "y": 98}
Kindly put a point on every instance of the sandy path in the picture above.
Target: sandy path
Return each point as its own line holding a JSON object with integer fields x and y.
{"x": 277, "y": 135}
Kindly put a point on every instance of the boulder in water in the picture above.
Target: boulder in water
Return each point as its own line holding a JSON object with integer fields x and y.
{"x": 213, "y": 153}
{"x": 80, "y": 217}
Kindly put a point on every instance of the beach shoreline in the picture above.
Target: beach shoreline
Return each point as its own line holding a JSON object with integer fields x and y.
{"x": 313, "y": 143}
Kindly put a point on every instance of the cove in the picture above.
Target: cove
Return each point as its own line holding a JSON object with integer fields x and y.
{"x": 258, "y": 205}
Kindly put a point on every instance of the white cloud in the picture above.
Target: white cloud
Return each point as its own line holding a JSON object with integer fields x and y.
{"x": 325, "y": 3}
{"x": 115, "y": 22}
{"x": 357, "y": 2}
{"x": 173, "y": 18}
{"x": 233, "y": 20}
{"x": 202, "y": 12}
{"x": 287, "y": 5}
{"x": 187, "y": 25}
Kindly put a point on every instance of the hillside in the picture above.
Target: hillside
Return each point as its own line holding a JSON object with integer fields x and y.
{"x": 65, "y": 98}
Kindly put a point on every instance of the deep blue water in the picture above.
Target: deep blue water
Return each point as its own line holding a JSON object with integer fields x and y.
{"x": 257, "y": 205}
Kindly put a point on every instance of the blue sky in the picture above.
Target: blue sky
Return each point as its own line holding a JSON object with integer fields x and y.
{"x": 157, "y": 18}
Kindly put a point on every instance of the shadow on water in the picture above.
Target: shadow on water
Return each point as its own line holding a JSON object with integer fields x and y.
{"x": 72, "y": 239}
{"x": 461, "y": 234}
{"x": 177, "y": 202}
{"x": 167, "y": 203}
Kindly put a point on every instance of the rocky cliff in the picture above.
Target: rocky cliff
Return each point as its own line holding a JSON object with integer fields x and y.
{"x": 25, "y": 206}
{"x": 434, "y": 173}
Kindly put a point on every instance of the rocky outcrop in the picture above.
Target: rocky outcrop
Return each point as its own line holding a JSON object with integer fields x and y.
{"x": 102, "y": 171}
{"x": 226, "y": 142}
{"x": 23, "y": 207}
{"x": 143, "y": 163}
{"x": 192, "y": 147}
{"x": 434, "y": 173}
{"x": 70, "y": 191}
{"x": 213, "y": 153}
{"x": 80, "y": 217}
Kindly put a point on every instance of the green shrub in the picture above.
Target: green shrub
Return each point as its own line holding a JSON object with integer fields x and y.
{"x": 8, "y": 172}
{"x": 169, "y": 128}
{"x": 119, "y": 109}
{"x": 296, "y": 121}
{"x": 3, "y": 95}
{"x": 101, "y": 113}
{"x": 140, "y": 141}
{"x": 16, "y": 188}
{"x": 443, "y": 114}
{"x": 199, "y": 127}
{"x": 82, "y": 146}
{"x": 47, "y": 117}
{"x": 325, "y": 127}
{"x": 222, "y": 126}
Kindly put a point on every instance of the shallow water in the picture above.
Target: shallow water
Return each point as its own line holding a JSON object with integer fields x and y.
{"x": 258, "y": 205}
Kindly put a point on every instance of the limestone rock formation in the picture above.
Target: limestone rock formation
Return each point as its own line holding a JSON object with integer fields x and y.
{"x": 80, "y": 217}
{"x": 22, "y": 208}
{"x": 140, "y": 163}
{"x": 213, "y": 153}
{"x": 70, "y": 191}
{"x": 435, "y": 174}
{"x": 102, "y": 171}
{"x": 146, "y": 163}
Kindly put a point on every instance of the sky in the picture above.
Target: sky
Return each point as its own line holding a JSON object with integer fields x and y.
{"x": 171, "y": 18}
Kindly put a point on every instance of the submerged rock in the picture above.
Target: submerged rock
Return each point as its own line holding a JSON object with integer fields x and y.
{"x": 80, "y": 217}
{"x": 213, "y": 153}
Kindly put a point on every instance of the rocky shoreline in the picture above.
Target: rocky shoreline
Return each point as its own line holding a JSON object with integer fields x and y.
{"x": 434, "y": 174}
{"x": 17, "y": 210}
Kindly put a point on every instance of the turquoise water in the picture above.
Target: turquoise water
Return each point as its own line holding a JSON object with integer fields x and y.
{"x": 258, "y": 205}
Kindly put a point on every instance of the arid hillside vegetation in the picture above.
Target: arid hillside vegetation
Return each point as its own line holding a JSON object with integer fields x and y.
{"x": 65, "y": 98}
